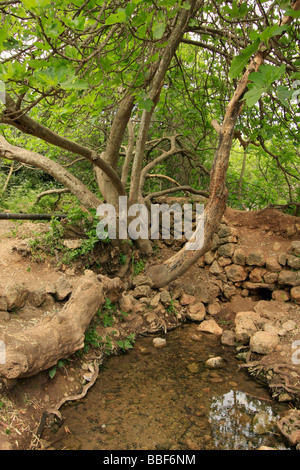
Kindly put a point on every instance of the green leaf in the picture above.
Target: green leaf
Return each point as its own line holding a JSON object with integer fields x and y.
{"x": 158, "y": 29}
{"x": 2, "y": 87}
{"x": 254, "y": 94}
{"x": 52, "y": 372}
{"x": 119, "y": 17}
{"x": 146, "y": 104}
{"x": 241, "y": 60}
{"x": 284, "y": 94}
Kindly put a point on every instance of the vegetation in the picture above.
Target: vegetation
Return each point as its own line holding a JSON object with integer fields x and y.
{"x": 109, "y": 98}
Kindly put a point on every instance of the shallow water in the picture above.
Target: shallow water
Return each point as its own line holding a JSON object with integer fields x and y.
{"x": 162, "y": 399}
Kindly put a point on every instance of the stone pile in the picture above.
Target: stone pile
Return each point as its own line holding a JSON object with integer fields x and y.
{"x": 244, "y": 271}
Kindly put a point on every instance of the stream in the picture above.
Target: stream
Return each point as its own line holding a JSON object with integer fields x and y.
{"x": 167, "y": 399}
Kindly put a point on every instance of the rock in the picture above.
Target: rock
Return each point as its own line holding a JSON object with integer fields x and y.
{"x": 258, "y": 285}
{"x": 228, "y": 338}
{"x": 142, "y": 281}
{"x": 126, "y": 303}
{"x": 282, "y": 259}
{"x": 239, "y": 256}
{"x": 244, "y": 327}
{"x": 207, "y": 292}
{"x": 226, "y": 250}
{"x": 3, "y": 303}
{"x": 224, "y": 231}
{"x": 214, "y": 308}
{"x": 63, "y": 288}
{"x": 270, "y": 278}
{"x": 215, "y": 268}
{"x": 229, "y": 291}
{"x": 196, "y": 312}
{"x": 235, "y": 273}
{"x": 291, "y": 230}
{"x": 72, "y": 244}
{"x": 273, "y": 310}
{"x": 15, "y": 296}
{"x": 165, "y": 298}
{"x": 293, "y": 262}
{"x": 215, "y": 362}
{"x": 23, "y": 247}
{"x": 255, "y": 258}
{"x": 193, "y": 368}
{"x": 295, "y": 294}
{"x": 262, "y": 423}
{"x": 4, "y": 315}
{"x": 159, "y": 343}
{"x": 155, "y": 300}
{"x": 50, "y": 288}
{"x": 187, "y": 299}
{"x": 210, "y": 326}
{"x": 295, "y": 248}
{"x": 291, "y": 278}
{"x": 272, "y": 264}
{"x": 266, "y": 448}
{"x": 289, "y": 325}
{"x": 257, "y": 274}
{"x": 209, "y": 257}
{"x": 281, "y": 295}
{"x": 141, "y": 291}
{"x": 263, "y": 342}
{"x": 289, "y": 426}
{"x": 224, "y": 261}
{"x": 37, "y": 297}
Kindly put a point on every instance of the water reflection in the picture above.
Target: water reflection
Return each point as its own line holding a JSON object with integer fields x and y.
{"x": 241, "y": 422}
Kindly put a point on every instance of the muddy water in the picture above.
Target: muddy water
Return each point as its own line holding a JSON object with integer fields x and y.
{"x": 162, "y": 399}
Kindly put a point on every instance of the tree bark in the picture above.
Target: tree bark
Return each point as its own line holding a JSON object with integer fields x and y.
{"x": 40, "y": 347}
{"x": 86, "y": 197}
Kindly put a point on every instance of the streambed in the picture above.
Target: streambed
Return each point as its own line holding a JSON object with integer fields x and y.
{"x": 167, "y": 399}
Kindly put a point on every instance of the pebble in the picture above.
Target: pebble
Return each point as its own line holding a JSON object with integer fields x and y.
{"x": 159, "y": 343}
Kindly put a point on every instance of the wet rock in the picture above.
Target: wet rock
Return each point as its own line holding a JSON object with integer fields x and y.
{"x": 63, "y": 288}
{"x": 262, "y": 423}
{"x": 228, "y": 338}
{"x": 196, "y": 312}
{"x": 255, "y": 258}
{"x": 159, "y": 343}
{"x": 263, "y": 342}
{"x": 215, "y": 362}
{"x": 289, "y": 426}
{"x": 210, "y": 326}
{"x": 295, "y": 294}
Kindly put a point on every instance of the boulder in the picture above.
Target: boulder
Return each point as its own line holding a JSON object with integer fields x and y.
{"x": 228, "y": 338}
{"x": 15, "y": 296}
{"x": 142, "y": 281}
{"x": 207, "y": 292}
{"x": 141, "y": 291}
{"x": 264, "y": 342}
{"x": 214, "y": 308}
{"x": 226, "y": 250}
{"x": 293, "y": 261}
{"x": 235, "y": 273}
{"x": 295, "y": 248}
{"x": 187, "y": 299}
{"x": 257, "y": 275}
{"x": 36, "y": 297}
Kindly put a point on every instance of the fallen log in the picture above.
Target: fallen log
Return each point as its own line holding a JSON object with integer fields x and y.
{"x": 40, "y": 347}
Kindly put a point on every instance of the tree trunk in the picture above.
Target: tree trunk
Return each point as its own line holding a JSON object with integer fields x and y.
{"x": 40, "y": 347}
{"x": 86, "y": 197}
